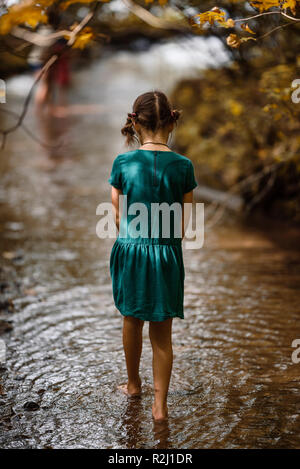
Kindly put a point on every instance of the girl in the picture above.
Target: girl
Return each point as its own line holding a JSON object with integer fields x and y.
{"x": 148, "y": 272}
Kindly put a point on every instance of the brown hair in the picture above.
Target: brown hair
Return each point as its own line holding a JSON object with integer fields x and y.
{"x": 153, "y": 111}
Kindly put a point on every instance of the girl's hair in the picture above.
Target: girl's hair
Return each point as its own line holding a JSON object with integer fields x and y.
{"x": 152, "y": 110}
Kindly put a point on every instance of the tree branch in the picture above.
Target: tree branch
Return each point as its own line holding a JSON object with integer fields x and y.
{"x": 36, "y": 38}
{"x": 44, "y": 70}
{"x": 151, "y": 19}
{"x": 267, "y": 13}
{"x": 19, "y": 122}
{"x": 29, "y": 132}
{"x": 221, "y": 208}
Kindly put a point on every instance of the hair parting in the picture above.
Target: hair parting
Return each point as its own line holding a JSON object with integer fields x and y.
{"x": 153, "y": 111}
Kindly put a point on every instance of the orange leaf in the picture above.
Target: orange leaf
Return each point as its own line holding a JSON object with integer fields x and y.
{"x": 246, "y": 28}
{"x": 233, "y": 41}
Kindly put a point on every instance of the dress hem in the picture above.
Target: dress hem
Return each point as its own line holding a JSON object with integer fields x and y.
{"x": 154, "y": 318}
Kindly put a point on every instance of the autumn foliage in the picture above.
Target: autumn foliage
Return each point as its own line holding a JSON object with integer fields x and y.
{"x": 238, "y": 120}
{"x": 32, "y": 13}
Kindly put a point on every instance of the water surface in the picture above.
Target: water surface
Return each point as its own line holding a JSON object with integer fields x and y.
{"x": 234, "y": 384}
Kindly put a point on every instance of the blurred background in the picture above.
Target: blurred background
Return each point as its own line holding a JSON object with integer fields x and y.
{"x": 64, "y": 98}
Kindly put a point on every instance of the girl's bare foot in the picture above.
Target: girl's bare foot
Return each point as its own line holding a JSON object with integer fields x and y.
{"x": 131, "y": 389}
{"x": 159, "y": 413}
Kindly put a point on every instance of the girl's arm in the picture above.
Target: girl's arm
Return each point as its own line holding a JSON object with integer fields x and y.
{"x": 115, "y": 193}
{"x": 187, "y": 198}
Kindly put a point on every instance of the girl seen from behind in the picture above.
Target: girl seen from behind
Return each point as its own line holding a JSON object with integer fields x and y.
{"x": 148, "y": 272}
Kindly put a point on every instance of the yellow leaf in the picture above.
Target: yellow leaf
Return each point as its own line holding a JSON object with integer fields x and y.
{"x": 27, "y": 12}
{"x": 245, "y": 39}
{"x": 215, "y": 15}
{"x": 246, "y": 28}
{"x": 229, "y": 23}
{"x": 235, "y": 107}
{"x": 65, "y": 4}
{"x": 264, "y": 5}
{"x": 211, "y": 16}
{"x": 233, "y": 41}
{"x": 83, "y": 38}
{"x": 291, "y": 4}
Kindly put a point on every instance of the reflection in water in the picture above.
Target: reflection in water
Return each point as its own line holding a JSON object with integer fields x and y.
{"x": 161, "y": 432}
{"x": 234, "y": 384}
{"x": 54, "y": 133}
{"x": 131, "y": 422}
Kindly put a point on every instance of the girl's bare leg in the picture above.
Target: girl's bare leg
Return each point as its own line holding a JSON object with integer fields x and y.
{"x": 132, "y": 343}
{"x": 161, "y": 340}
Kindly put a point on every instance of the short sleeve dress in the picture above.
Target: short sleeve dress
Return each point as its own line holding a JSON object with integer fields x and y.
{"x": 146, "y": 266}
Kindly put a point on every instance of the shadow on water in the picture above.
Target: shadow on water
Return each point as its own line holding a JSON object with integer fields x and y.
{"x": 234, "y": 384}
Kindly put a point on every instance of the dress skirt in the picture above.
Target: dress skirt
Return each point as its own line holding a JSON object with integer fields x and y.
{"x": 148, "y": 278}
{"x": 146, "y": 262}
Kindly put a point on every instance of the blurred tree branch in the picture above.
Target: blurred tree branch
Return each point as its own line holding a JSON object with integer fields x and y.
{"x": 44, "y": 70}
{"x": 151, "y": 19}
{"x": 19, "y": 122}
{"x": 28, "y": 131}
{"x": 244, "y": 183}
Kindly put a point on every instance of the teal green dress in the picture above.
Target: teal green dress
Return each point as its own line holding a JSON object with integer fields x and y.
{"x": 147, "y": 267}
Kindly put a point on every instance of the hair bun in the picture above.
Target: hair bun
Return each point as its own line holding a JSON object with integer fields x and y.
{"x": 175, "y": 114}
